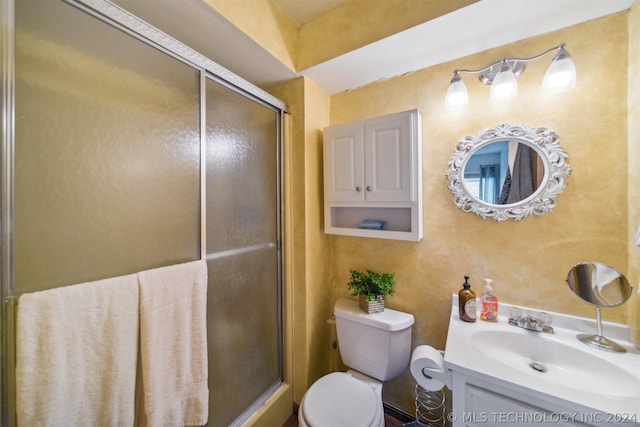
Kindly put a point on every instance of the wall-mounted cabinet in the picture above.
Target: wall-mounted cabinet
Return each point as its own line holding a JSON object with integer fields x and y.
{"x": 373, "y": 172}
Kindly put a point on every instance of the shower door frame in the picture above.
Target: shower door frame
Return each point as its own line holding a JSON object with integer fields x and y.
{"x": 123, "y": 20}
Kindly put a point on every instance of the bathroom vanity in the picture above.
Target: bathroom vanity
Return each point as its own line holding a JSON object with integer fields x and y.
{"x": 502, "y": 374}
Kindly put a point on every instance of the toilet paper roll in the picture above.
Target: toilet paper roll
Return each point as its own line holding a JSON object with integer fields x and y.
{"x": 427, "y": 368}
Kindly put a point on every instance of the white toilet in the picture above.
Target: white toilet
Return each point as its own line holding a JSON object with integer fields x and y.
{"x": 377, "y": 347}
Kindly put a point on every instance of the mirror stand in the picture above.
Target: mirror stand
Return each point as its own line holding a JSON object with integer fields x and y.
{"x": 599, "y": 341}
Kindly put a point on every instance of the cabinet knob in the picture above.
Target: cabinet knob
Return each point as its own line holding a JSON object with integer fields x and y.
{"x": 358, "y": 188}
{"x": 368, "y": 188}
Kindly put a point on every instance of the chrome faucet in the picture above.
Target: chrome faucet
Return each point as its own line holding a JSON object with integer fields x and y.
{"x": 541, "y": 323}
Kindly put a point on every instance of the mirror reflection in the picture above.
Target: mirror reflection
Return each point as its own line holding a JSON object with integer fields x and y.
{"x": 598, "y": 284}
{"x": 503, "y": 172}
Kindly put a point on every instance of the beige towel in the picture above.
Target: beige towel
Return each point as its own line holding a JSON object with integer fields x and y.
{"x": 76, "y": 354}
{"x": 173, "y": 344}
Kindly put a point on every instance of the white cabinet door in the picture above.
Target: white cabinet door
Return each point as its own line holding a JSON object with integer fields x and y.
{"x": 388, "y": 151}
{"x": 371, "y": 160}
{"x": 484, "y": 407}
{"x": 344, "y": 163}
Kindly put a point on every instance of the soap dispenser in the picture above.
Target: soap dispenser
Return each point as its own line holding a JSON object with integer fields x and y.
{"x": 467, "y": 302}
{"x": 489, "y": 312}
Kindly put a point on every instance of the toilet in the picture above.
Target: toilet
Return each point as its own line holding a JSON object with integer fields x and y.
{"x": 376, "y": 348}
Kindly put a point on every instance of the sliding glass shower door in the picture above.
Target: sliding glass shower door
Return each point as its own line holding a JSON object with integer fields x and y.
{"x": 125, "y": 157}
{"x": 242, "y": 251}
{"x": 107, "y": 151}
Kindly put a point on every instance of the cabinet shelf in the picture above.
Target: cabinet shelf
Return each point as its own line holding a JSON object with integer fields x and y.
{"x": 373, "y": 171}
{"x": 399, "y": 223}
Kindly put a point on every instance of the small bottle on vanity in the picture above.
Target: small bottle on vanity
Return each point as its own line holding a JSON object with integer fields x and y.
{"x": 489, "y": 311}
{"x": 467, "y": 302}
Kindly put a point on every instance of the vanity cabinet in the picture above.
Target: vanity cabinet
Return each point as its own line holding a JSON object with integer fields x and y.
{"x": 475, "y": 405}
{"x": 373, "y": 171}
{"x": 480, "y": 402}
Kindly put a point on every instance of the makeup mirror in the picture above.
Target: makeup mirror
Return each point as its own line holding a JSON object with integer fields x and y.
{"x": 603, "y": 286}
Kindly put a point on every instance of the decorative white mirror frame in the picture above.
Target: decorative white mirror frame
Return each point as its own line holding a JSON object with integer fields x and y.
{"x": 544, "y": 141}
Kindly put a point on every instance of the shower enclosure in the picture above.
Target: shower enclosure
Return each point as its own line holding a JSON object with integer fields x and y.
{"x": 123, "y": 150}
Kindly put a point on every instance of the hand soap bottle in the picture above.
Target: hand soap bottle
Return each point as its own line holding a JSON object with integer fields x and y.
{"x": 489, "y": 312}
{"x": 467, "y": 302}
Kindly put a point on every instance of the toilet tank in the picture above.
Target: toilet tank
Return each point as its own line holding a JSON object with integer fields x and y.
{"x": 377, "y": 345}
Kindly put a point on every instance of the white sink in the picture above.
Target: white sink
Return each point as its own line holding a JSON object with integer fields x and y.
{"x": 555, "y": 368}
{"x": 545, "y": 358}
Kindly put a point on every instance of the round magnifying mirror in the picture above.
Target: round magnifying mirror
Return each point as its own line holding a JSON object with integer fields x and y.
{"x": 599, "y": 284}
{"x": 603, "y": 286}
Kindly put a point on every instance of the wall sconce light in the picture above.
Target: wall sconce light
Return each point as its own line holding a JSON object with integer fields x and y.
{"x": 503, "y": 75}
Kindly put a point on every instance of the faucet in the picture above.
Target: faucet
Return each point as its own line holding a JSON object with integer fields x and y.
{"x": 541, "y": 323}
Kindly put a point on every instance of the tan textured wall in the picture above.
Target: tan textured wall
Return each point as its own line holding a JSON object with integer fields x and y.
{"x": 307, "y": 255}
{"x": 265, "y": 22}
{"x": 296, "y": 348}
{"x": 319, "y": 307}
{"x": 528, "y": 260}
{"x": 357, "y": 23}
{"x": 634, "y": 166}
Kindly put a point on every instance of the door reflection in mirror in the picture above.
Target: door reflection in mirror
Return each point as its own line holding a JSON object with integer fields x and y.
{"x": 503, "y": 172}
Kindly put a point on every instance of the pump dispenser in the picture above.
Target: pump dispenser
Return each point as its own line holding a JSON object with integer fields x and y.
{"x": 489, "y": 312}
{"x": 467, "y": 302}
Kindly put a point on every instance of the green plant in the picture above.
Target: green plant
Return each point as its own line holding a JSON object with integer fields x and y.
{"x": 371, "y": 284}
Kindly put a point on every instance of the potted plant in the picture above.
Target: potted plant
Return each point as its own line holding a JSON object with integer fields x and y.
{"x": 371, "y": 288}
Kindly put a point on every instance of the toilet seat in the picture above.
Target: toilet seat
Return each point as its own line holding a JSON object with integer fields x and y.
{"x": 338, "y": 399}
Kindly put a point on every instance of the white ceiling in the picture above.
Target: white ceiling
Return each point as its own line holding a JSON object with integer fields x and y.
{"x": 477, "y": 27}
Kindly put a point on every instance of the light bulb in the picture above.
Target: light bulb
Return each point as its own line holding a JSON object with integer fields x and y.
{"x": 457, "y": 95}
{"x": 504, "y": 84}
{"x": 561, "y": 74}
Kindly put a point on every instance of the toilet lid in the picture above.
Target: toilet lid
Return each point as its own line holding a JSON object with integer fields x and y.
{"x": 338, "y": 399}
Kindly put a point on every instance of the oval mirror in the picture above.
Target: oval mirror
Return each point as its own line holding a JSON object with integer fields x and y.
{"x": 508, "y": 172}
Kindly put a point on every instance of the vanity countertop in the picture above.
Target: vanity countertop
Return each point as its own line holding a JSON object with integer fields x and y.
{"x": 554, "y": 367}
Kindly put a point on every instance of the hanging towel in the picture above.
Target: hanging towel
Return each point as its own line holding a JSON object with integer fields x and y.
{"x": 521, "y": 185}
{"x": 173, "y": 345}
{"x": 76, "y": 353}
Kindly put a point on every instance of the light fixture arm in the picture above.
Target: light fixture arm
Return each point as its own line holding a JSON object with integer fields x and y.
{"x": 517, "y": 65}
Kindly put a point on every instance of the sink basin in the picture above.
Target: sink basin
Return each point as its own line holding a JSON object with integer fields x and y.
{"x": 547, "y": 359}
